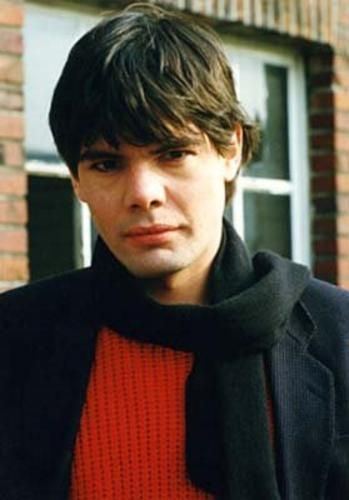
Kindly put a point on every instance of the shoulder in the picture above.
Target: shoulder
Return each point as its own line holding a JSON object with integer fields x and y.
{"x": 46, "y": 300}
{"x": 327, "y": 303}
{"x": 328, "y": 307}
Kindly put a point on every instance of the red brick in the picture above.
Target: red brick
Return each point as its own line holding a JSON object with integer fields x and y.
{"x": 13, "y": 268}
{"x": 341, "y": 62}
{"x": 343, "y": 224}
{"x": 342, "y": 121}
{"x": 13, "y": 240}
{"x": 11, "y": 14}
{"x": 323, "y": 140}
{"x": 12, "y": 153}
{"x": 323, "y": 184}
{"x": 13, "y": 212}
{"x": 325, "y": 247}
{"x": 343, "y": 246}
{"x": 326, "y": 269}
{"x": 11, "y": 70}
{"x": 323, "y": 163}
{"x": 342, "y": 141}
{"x": 240, "y": 9}
{"x": 11, "y": 41}
{"x": 320, "y": 63}
{"x": 344, "y": 14}
{"x": 324, "y": 79}
{"x": 324, "y": 225}
{"x": 14, "y": 183}
{"x": 11, "y": 126}
{"x": 341, "y": 101}
{"x": 343, "y": 267}
{"x": 12, "y": 100}
{"x": 323, "y": 120}
{"x": 343, "y": 203}
{"x": 322, "y": 100}
{"x": 342, "y": 182}
{"x": 342, "y": 78}
{"x": 342, "y": 162}
{"x": 324, "y": 204}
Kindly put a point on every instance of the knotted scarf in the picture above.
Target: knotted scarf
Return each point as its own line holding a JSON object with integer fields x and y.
{"x": 228, "y": 445}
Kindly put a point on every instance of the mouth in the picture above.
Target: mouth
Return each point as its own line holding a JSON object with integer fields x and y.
{"x": 150, "y": 235}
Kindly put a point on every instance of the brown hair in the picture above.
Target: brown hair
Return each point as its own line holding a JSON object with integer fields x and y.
{"x": 143, "y": 76}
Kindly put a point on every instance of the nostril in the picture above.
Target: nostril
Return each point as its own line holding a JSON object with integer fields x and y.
{"x": 155, "y": 203}
{"x": 141, "y": 205}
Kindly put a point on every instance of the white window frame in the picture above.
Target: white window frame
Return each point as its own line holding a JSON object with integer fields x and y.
{"x": 297, "y": 187}
{"x": 45, "y": 169}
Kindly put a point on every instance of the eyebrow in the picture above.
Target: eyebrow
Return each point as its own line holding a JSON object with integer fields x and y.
{"x": 177, "y": 143}
{"x": 93, "y": 154}
{"x": 97, "y": 154}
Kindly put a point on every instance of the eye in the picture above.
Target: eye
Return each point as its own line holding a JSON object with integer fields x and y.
{"x": 176, "y": 154}
{"x": 106, "y": 165}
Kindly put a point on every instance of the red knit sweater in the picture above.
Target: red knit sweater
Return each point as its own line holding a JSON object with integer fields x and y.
{"x": 131, "y": 440}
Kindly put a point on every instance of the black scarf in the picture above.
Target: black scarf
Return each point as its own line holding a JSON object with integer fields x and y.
{"x": 228, "y": 446}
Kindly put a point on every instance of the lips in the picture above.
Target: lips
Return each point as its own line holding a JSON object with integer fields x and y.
{"x": 150, "y": 235}
{"x": 154, "y": 229}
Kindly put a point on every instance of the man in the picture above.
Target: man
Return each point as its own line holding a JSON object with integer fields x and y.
{"x": 176, "y": 367}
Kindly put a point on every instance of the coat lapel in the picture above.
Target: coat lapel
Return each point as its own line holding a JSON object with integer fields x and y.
{"x": 303, "y": 394}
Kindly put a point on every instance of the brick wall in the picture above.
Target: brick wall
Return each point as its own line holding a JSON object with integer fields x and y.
{"x": 13, "y": 186}
{"x": 317, "y": 20}
{"x": 329, "y": 140}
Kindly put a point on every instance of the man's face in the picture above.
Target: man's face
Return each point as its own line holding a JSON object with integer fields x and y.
{"x": 158, "y": 208}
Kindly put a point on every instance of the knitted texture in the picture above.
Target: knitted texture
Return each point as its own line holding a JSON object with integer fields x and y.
{"x": 131, "y": 443}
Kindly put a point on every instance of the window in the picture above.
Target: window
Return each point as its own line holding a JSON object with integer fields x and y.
{"x": 271, "y": 205}
{"x": 59, "y": 228}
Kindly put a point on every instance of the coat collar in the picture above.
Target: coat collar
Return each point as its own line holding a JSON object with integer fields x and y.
{"x": 304, "y": 410}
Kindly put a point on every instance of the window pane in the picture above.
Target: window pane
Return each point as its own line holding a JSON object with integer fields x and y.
{"x": 51, "y": 226}
{"x": 49, "y": 33}
{"x": 273, "y": 158}
{"x": 267, "y": 222}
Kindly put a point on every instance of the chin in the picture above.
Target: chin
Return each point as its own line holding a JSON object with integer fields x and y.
{"x": 152, "y": 273}
{"x": 153, "y": 270}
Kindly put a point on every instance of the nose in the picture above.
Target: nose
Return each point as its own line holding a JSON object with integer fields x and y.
{"x": 144, "y": 188}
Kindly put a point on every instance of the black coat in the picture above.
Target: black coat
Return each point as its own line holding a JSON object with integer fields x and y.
{"x": 47, "y": 344}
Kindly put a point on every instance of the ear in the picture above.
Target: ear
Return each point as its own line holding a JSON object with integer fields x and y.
{"x": 234, "y": 155}
{"x": 77, "y": 186}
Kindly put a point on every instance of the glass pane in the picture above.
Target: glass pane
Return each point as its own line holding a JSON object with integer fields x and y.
{"x": 51, "y": 226}
{"x": 47, "y": 30}
{"x": 267, "y": 222}
{"x": 272, "y": 161}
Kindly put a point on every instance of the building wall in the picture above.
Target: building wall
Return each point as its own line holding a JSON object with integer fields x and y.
{"x": 308, "y": 19}
{"x": 329, "y": 139}
{"x": 13, "y": 210}
{"x": 319, "y": 28}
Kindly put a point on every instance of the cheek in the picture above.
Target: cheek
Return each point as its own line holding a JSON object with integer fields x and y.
{"x": 211, "y": 194}
{"x": 102, "y": 210}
